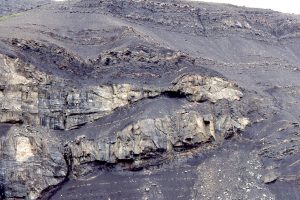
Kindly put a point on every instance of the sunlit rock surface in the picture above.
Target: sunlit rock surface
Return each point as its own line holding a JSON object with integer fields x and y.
{"x": 148, "y": 100}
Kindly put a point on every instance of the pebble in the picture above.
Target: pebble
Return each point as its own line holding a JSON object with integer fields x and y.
{"x": 270, "y": 177}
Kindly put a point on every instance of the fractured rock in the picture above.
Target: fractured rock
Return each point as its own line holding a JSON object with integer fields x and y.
{"x": 199, "y": 88}
{"x": 270, "y": 177}
{"x": 31, "y": 162}
{"x": 150, "y": 138}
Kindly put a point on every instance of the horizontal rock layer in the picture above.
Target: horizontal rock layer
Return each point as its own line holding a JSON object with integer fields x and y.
{"x": 90, "y": 89}
{"x": 53, "y": 103}
{"x": 31, "y": 161}
{"x": 153, "y": 138}
{"x": 34, "y": 98}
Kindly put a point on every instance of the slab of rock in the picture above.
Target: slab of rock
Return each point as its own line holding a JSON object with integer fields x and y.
{"x": 32, "y": 161}
{"x": 270, "y": 177}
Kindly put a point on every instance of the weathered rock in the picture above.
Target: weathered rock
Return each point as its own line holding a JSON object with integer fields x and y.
{"x": 270, "y": 177}
{"x": 34, "y": 97}
{"x": 32, "y": 161}
{"x": 199, "y": 88}
{"x": 17, "y": 93}
{"x": 67, "y": 109}
{"x": 55, "y": 104}
{"x": 136, "y": 84}
{"x": 151, "y": 138}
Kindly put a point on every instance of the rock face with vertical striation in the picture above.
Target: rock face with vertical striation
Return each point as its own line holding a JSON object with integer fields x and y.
{"x": 152, "y": 139}
{"x": 32, "y": 161}
{"x": 148, "y": 100}
{"x": 55, "y": 104}
{"x": 198, "y": 88}
{"x": 33, "y": 98}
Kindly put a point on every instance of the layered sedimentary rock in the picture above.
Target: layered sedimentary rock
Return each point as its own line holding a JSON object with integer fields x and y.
{"x": 198, "y": 88}
{"x": 35, "y": 98}
{"x": 72, "y": 107}
{"x": 31, "y": 97}
{"x": 32, "y": 160}
{"x": 195, "y": 100}
{"x": 153, "y": 138}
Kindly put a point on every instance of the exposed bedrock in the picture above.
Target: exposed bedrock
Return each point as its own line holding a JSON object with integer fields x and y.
{"x": 32, "y": 97}
{"x": 148, "y": 100}
{"x": 31, "y": 161}
{"x": 68, "y": 116}
{"x": 41, "y": 159}
{"x": 153, "y": 138}
{"x": 34, "y": 160}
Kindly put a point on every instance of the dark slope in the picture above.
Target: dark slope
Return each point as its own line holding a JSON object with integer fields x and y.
{"x": 13, "y": 7}
{"x": 148, "y": 44}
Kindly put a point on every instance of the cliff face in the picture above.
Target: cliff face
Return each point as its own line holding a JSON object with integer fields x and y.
{"x": 148, "y": 100}
{"x": 42, "y": 103}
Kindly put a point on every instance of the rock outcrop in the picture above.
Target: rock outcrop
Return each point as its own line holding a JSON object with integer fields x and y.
{"x": 148, "y": 100}
{"x": 33, "y": 98}
{"x": 32, "y": 161}
{"x": 198, "y": 88}
{"x": 153, "y": 138}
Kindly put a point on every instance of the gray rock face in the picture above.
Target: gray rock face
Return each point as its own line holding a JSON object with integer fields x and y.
{"x": 34, "y": 97}
{"x": 32, "y": 161}
{"x": 198, "y": 88}
{"x": 148, "y": 100}
{"x": 153, "y": 138}
{"x": 15, "y": 6}
{"x": 199, "y": 19}
{"x": 63, "y": 109}
{"x": 56, "y": 104}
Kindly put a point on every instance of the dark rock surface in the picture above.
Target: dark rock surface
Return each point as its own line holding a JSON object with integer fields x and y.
{"x": 148, "y": 100}
{"x": 12, "y": 7}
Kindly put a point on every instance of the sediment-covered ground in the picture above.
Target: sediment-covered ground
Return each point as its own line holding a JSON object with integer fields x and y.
{"x": 148, "y": 100}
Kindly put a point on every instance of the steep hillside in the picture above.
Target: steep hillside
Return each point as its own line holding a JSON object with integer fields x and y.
{"x": 148, "y": 100}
